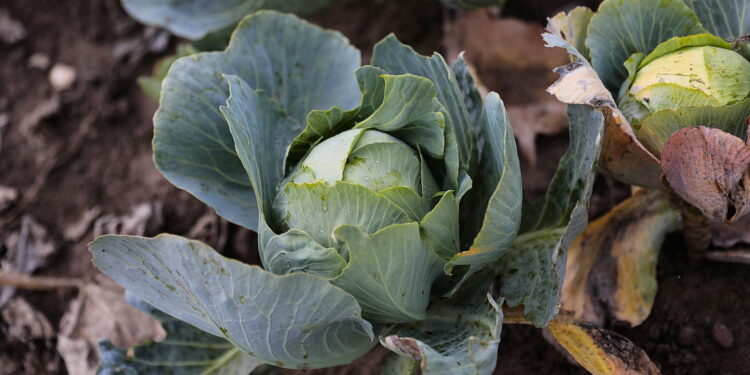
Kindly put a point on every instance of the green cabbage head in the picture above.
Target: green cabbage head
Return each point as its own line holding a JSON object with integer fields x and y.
{"x": 681, "y": 73}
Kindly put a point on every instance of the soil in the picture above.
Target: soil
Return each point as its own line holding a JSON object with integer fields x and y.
{"x": 97, "y": 149}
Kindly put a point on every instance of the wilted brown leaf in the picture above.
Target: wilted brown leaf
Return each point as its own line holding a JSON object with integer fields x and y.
{"x": 101, "y": 312}
{"x": 28, "y": 249}
{"x": 25, "y": 322}
{"x": 708, "y": 168}
{"x": 600, "y": 351}
{"x": 728, "y": 235}
{"x": 611, "y": 269}
{"x": 511, "y": 54}
{"x": 547, "y": 117}
{"x": 144, "y": 219}
{"x": 623, "y": 156}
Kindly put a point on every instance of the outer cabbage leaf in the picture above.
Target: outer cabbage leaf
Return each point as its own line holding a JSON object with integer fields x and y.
{"x": 657, "y": 128}
{"x": 300, "y": 65}
{"x": 574, "y": 27}
{"x": 292, "y": 321}
{"x": 186, "y": 351}
{"x": 532, "y": 270}
{"x": 397, "y": 58}
{"x": 459, "y": 336}
{"x": 611, "y": 269}
{"x": 499, "y": 189}
{"x": 623, "y": 156}
{"x": 193, "y": 19}
{"x": 391, "y": 271}
{"x": 728, "y": 19}
{"x": 621, "y": 28}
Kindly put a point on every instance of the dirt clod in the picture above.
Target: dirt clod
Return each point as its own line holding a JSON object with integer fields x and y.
{"x": 686, "y": 336}
{"x": 722, "y": 335}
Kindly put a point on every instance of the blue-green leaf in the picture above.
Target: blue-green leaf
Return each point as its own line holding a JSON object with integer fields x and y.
{"x": 397, "y": 58}
{"x": 458, "y": 336}
{"x": 410, "y": 111}
{"x": 261, "y": 132}
{"x": 297, "y": 251}
{"x": 185, "y": 351}
{"x": 729, "y": 19}
{"x": 469, "y": 92}
{"x": 656, "y": 129}
{"x": 318, "y": 209}
{"x": 299, "y": 65}
{"x": 621, "y": 28}
{"x": 292, "y": 321}
{"x": 390, "y": 272}
{"x": 193, "y": 19}
{"x": 532, "y": 270}
{"x": 499, "y": 190}
{"x": 440, "y": 226}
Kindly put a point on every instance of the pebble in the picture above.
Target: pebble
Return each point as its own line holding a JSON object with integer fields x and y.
{"x": 11, "y": 31}
{"x": 8, "y": 195}
{"x": 38, "y": 61}
{"x": 686, "y": 336}
{"x": 722, "y": 335}
{"x": 62, "y": 77}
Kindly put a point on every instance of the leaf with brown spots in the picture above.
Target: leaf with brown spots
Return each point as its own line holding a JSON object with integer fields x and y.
{"x": 600, "y": 351}
{"x": 623, "y": 156}
{"x": 611, "y": 269}
{"x": 708, "y": 168}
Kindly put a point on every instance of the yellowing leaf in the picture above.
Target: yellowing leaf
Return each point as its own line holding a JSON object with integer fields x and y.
{"x": 623, "y": 156}
{"x": 600, "y": 351}
{"x": 611, "y": 267}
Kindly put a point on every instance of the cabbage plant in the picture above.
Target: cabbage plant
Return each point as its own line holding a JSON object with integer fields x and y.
{"x": 672, "y": 78}
{"x": 387, "y": 201}
{"x": 680, "y": 68}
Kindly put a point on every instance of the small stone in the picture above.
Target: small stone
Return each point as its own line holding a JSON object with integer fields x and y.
{"x": 11, "y": 31}
{"x": 8, "y": 196}
{"x": 62, "y": 77}
{"x": 722, "y": 335}
{"x": 686, "y": 336}
{"x": 38, "y": 61}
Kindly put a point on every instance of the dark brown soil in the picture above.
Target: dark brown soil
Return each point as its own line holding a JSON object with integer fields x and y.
{"x": 700, "y": 322}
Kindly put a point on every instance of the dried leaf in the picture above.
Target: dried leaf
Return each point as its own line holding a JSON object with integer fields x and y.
{"x": 25, "y": 322}
{"x": 611, "y": 269}
{"x": 600, "y": 351}
{"x": 728, "y": 235}
{"x": 8, "y": 196}
{"x": 101, "y": 312}
{"x": 708, "y": 168}
{"x": 547, "y": 117}
{"x": 499, "y": 43}
{"x": 29, "y": 333}
{"x": 145, "y": 218}
{"x": 28, "y": 249}
{"x": 739, "y": 256}
{"x": 623, "y": 156}
{"x": 210, "y": 229}
{"x": 78, "y": 229}
{"x": 511, "y": 50}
